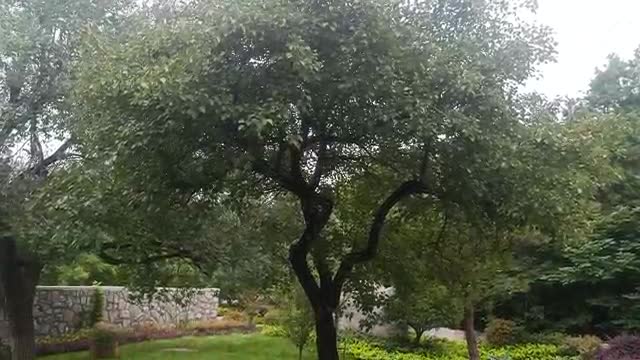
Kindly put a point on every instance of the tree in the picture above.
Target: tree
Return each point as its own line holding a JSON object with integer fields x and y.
{"x": 297, "y": 320}
{"x": 422, "y": 309}
{"x": 299, "y": 96}
{"x": 520, "y": 193}
{"x": 37, "y": 52}
{"x": 586, "y": 284}
{"x": 615, "y": 87}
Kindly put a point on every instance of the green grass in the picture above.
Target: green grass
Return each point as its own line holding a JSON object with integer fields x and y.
{"x": 223, "y": 347}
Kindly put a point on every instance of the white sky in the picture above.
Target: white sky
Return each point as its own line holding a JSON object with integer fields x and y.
{"x": 586, "y": 31}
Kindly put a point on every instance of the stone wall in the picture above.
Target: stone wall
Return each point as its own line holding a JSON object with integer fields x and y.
{"x": 61, "y": 309}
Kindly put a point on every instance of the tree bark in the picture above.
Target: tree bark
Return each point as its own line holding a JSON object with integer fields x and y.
{"x": 326, "y": 334}
{"x": 18, "y": 279}
{"x": 418, "y": 337}
{"x": 470, "y": 334}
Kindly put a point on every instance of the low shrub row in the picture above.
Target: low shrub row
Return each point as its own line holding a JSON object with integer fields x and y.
{"x": 360, "y": 349}
{"x": 80, "y": 341}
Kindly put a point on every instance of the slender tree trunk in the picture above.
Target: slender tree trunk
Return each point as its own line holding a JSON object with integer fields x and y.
{"x": 470, "y": 334}
{"x": 419, "y": 333}
{"x": 326, "y": 335}
{"x": 18, "y": 279}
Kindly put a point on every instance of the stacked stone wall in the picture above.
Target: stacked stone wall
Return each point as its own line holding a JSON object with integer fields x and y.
{"x": 59, "y": 310}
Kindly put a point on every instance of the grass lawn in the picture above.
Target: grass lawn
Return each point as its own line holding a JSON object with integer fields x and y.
{"x": 223, "y": 347}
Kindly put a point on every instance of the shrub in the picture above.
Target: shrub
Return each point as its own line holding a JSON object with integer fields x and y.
{"x": 104, "y": 342}
{"x": 501, "y": 332}
{"x": 95, "y": 316}
{"x": 274, "y": 331}
{"x": 623, "y": 347}
{"x": 586, "y": 347}
{"x": 298, "y": 320}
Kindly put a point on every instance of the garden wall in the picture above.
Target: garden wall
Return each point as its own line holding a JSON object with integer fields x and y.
{"x": 61, "y": 309}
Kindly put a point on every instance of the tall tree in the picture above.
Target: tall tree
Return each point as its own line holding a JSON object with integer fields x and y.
{"x": 37, "y": 51}
{"x": 298, "y": 96}
{"x": 513, "y": 194}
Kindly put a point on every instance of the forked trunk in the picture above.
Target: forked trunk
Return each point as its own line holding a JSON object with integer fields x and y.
{"x": 470, "y": 334}
{"x": 326, "y": 335}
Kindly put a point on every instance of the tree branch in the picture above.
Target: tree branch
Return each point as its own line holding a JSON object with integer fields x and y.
{"x": 405, "y": 190}
{"x": 317, "y": 172}
{"x": 57, "y": 155}
{"x": 112, "y": 260}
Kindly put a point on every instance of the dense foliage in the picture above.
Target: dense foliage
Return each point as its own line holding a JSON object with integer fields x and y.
{"x": 588, "y": 285}
{"x": 352, "y": 146}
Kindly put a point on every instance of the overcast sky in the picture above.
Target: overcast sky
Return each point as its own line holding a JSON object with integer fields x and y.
{"x": 586, "y": 32}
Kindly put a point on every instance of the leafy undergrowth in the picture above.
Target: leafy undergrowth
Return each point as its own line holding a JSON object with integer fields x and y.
{"x": 79, "y": 341}
{"x": 361, "y": 349}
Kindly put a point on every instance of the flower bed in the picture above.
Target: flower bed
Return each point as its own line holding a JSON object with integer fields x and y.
{"x": 79, "y": 341}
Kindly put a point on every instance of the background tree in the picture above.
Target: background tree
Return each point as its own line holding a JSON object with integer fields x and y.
{"x": 586, "y": 284}
{"x": 422, "y": 308}
{"x": 296, "y": 97}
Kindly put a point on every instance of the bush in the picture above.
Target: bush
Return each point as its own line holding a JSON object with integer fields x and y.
{"x": 549, "y": 338}
{"x": 500, "y": 332}
{"x": 95, "y": 316}
{"x": 274, "y": 331}
{"x": 623, "y": 347}
{"x": 104, "y": 342}
{"x": 586, "y": 347}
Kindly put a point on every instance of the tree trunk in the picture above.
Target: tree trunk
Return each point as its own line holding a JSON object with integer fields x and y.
{"x": 419, "y": 333}
{"x": 18, "y": 279}
{"x": 470, "y": 334}
{"x": 326, "y": 335}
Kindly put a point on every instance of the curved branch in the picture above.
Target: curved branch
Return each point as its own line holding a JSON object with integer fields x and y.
{"x": 58, "y": 155}
{"x": 405, "y": 190}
